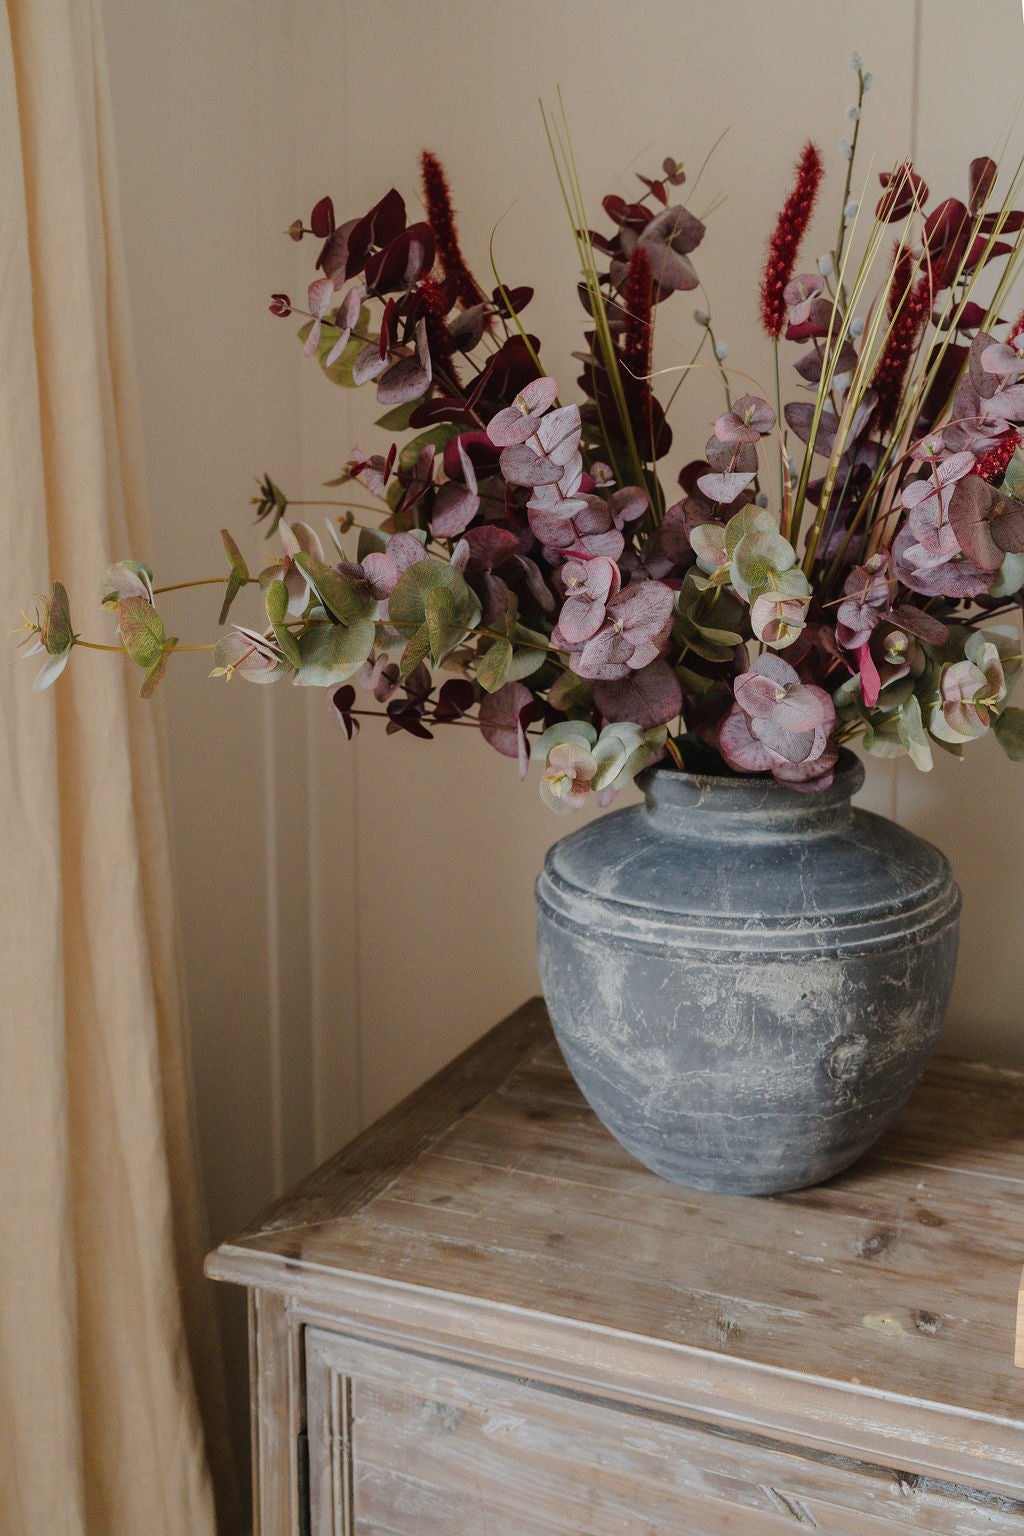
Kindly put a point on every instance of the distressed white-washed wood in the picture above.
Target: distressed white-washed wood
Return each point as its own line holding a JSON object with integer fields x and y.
{"x": 496, "y": 1224}
{"x": 367, "y": 1164}
{"x": 1018, "y": 1354}
{"x": 278, "y": 1414}
{"x": 329, "y": 1424}
{"x": 464, "y": 1451}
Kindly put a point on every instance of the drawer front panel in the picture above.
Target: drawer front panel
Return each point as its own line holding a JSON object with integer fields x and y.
{"x": 405, "y": 1445}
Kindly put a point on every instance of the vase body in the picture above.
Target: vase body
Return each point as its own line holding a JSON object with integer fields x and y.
{"x": 746, "y": 980}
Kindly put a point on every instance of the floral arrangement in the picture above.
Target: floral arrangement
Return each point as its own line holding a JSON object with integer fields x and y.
{"x": 829, "y": 570}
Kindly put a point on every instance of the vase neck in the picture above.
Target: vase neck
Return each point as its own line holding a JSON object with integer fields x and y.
{"x": 688, "y": 805}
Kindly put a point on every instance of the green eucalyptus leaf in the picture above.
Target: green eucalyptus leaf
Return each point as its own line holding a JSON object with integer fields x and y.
{"x": 417, "y": 649}
{"x": 1013, "y": 480}
{"x": 758, "y": 560}
{"x": 371, "y": 542}
{"x": 748, "y": 520}
{"x": 332, "y": 653}
{"x": 570, "y": 693}
{"x": 1009, "y": 729}
{"x": 442, "y": 610}
{"x": 407, "y": 605}
{"x": 397, "y": 419}
{"x": 913, "y": 734}
{"x": 579, "y": 731}
{"x": 1010, "y": 577}
{"x": 338, "y": 596}
{"x": 493, "y": 669}
{"x": 238, "y": 577}
{"x": 142, "y": 631}
{"x": 883, "y": 737}
{"x": 57, "y": 635}
{"x": 433, "y": 437}
{"x": 156, "y": 672}
{"x": 277, "y": 611}
{"x": 276, "y": 598}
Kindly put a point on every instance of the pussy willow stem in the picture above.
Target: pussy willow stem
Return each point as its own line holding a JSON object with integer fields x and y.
{"x": 837, "y": 252}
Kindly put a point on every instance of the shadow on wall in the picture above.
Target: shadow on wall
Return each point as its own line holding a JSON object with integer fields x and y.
{"x": 969, "y": 810}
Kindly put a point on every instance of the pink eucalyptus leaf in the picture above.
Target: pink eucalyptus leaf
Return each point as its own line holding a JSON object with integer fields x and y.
{"x": 521, "y": 465}
{"x": 724, "y": 488}
{"x": 738, "y": 746}
{"x": 870, "y": 682}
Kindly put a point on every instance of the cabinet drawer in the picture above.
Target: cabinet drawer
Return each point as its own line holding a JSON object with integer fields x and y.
{"x": 403, "y": 1444}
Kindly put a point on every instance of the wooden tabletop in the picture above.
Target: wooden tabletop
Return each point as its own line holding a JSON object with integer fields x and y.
{"x": 492, "y": 1217}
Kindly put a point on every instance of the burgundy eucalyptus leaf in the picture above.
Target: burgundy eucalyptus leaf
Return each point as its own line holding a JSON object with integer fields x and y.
{"x": 512, "y": 302}
{"x": 946, "y": 233}
{"x": 970, "y": 513}
{"x": 337, "y": 259}
{"x": 489, "y": 547}
{"x": 441, "y": 409}
{"x": 499, "y": 717}
{"x": 454, "y": 509}
{"x": 812, "y": 321}
{"x": 981, "y": 180}
{"x": 630, "y": 215}
{"x": 730, "y": 458}
{"x": 321, "y": 220}
{"x": 527, "y": 575}
{"x": 402, "y": 263}
{"x": 902, "y": 190}
{"x": 914, "y": 621}
{"x": 342, "y": 701}
{"x": 984, "y": 381}
{"x": 652, "y": 696}
{"x": 280, "y": 304}
{"x": 628, "y": 504}
{"x": 407, "y": 715}
{"x": 455, "y": 698}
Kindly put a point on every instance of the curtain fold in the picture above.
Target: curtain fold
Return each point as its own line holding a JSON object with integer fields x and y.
{"x": 111, "y": 1400}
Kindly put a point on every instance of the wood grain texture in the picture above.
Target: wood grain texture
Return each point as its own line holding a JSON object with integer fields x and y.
{"x": 431, "y": 1450}
{"x": 494, "y": 1223}
{"x": 351, "y": 1178}
{"x": 278, "y": 1399}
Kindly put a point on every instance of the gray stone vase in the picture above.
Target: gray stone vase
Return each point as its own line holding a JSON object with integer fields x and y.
{"x": 746, "y": 980}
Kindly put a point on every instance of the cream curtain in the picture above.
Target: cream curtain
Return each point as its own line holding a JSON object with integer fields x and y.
{"x": 104, "y": 1331}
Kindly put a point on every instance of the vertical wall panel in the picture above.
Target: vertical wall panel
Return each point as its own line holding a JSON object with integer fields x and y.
{"x": 354, "y": 914}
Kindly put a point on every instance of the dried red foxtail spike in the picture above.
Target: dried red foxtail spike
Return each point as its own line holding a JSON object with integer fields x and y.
{"x": 894, "y": 358}
{"x": 441, "y": 218}
{"x": 992, "y": 465}
{"x": 638, "y": 333}
{"x": 784, "y": 245}
{"x": 902, "y": 277}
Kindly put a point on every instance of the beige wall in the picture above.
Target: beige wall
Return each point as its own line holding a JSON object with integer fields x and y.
{"x": 354, "y": 915}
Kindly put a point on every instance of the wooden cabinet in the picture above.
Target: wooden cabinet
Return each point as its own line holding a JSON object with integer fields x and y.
{"x": 483, "y": 1318}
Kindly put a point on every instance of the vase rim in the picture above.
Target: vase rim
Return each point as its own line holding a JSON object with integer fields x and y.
{"x": 670, "y": 786}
